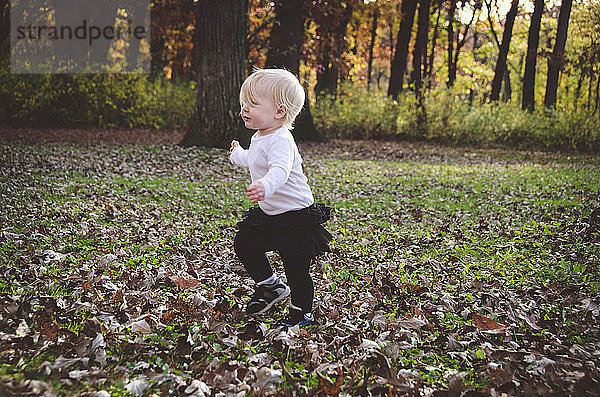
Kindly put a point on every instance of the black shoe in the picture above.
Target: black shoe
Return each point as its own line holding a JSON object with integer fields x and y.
{"x": 266, "y": 296}
{"x": 297, "y": 317}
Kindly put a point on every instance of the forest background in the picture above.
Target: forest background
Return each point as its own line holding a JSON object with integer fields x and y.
{"x": 448, "y": 71}
{"x": 454, "y": 271}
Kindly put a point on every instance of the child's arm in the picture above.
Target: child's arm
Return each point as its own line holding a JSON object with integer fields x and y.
{"x": 281, "y": 160}
{"x": 238, "y": 155}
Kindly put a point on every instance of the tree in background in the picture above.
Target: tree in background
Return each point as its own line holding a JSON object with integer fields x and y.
{"x": 419, "y": 59}
{"x": 419, "y": 55}
{"x": 533, "y": 38}
{"x": 261, "y": 14}
{"x": 557, "y": 60}
{"x": 4, "y": 33}
{"x": 158, "y": 58}
{"x": 460, "y": 37}
{"x": 285, "y": 48}
{"x": 398, "y": 66}
{"x": 428, "y": 70}
{"x": 503, "y": 54}
{"x": 450, "y": 49}
{"x": 221, "y": 29}
{"x": 332, "y": 18}
{"x": 172, "y": 27}
{"x": 362, "y": 44}
{"x": 79, "y": 52}
{"x": 586, "y": 60}
{"x": 494, "y": 6}
{"x": 375, "y": 13}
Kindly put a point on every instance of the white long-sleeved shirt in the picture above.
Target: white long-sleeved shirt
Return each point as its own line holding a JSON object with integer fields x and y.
{"x": 274, "y": 161}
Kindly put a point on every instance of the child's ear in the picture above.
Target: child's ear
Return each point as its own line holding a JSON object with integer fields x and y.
{"x": 280, "y": 112}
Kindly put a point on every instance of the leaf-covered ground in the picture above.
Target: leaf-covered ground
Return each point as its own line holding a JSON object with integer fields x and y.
{"x": 454, "y": 272}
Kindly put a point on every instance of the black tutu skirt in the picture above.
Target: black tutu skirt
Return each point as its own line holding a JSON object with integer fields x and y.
{"x": 295, "y": 232}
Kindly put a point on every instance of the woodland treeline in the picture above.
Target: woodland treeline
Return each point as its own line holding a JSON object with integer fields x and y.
{"x": 395, "y": 45}
{"x": 433, "y": 69}
{"x": 469, "y": 47}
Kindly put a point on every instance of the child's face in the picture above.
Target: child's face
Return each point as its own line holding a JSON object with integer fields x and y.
{"x": 262, "y": 114}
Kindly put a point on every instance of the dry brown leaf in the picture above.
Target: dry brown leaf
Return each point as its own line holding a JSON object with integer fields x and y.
{"x": 485, "y": 324}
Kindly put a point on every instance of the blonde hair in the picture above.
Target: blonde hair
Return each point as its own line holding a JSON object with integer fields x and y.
{"x": 281, "y": 85}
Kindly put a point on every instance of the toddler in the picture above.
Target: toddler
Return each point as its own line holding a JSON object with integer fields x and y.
{"x": 286, "y": 218}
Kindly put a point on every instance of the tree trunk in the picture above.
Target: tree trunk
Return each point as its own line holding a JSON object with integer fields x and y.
{"x": 371, "y": 46}
{"x": 429, "y": 68}
{"x": 507, "y": 92}
{"x": 134, "y": 8}
{"x": 102, "y": 15}
{"x": 420, "y": 58}
{"x": 391, "y": 39}
{"x": 597, "y": 89}
{"x": 556, "y": 61}
{"x": 590, "y": 82}
{"x": 78, "y": 56}
{"x": 158, "y": 59}
{"x": 533, "y": 39}
{"x": 285, "y": 48}
{"x": 460, "y": 42}
{"x": 474, "y": 46}
{"x": 4, "y": 33}
{"x": 420, "y": 49}
{"x": 327, "y": 75}
{"x": 287, "y": 36}
{"x": 222, "y": 26}
{"x": 401, "y": 53}
{"x": 578, "y": 88}
{"x": 451, "y": 64}
{"x": 504, "y": 47}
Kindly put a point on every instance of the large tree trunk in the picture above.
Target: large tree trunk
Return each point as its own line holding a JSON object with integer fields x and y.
{"x": 556, "y": 61}
{"x": 504, "y": 47}
{"x": 533, "y": 39}
{"x": 401, "y": 54}
{"x": 221, "y": 49}
{"x": 285, "y": 48}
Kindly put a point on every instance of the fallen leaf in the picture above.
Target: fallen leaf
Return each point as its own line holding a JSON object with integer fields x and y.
{"x": 140, "y": 326}
{"x": 197, "y": 389}
{"x": 267, "y": 380}
{"x": 137, "y": 386}
{"x": 488, "y": 325}
{"x": 22, "y": 329}
{"x": 413, "y": 323}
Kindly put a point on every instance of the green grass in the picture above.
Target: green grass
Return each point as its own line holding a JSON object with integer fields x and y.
{"x": 437, "y": 235}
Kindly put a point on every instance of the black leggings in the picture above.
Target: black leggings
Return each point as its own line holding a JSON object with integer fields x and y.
{"x": 297, "y": 266}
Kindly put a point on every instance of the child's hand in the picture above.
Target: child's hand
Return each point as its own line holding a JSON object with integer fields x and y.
{"x": 234, "y": 144}
{"x": 255, "y": 192}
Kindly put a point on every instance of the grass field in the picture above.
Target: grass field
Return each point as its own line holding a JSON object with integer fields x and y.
{"x": 453, "y": 270}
